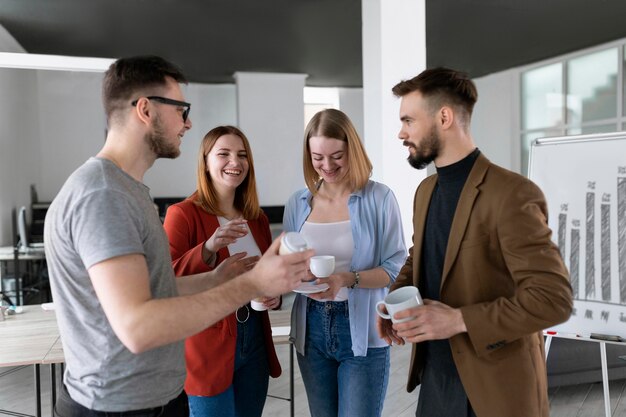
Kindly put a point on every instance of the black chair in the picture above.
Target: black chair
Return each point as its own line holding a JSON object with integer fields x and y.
{"x": 31, "y": 285}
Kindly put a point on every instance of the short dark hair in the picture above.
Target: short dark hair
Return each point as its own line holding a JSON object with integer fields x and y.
{"x": 441, "y": 86}
{"x": 132, "y": 76}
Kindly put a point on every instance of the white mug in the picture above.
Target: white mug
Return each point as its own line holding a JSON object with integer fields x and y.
{"x": 257, "y": 304}
{"x": 292, "y": 242}
{"x": 398, "y": 300}
{"x": 322, "y": 266}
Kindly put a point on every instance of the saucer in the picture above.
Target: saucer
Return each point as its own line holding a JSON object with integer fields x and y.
{"x": 309, "y": 288}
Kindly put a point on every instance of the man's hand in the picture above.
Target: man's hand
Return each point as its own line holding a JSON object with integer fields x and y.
{"x": 431, "y": 321}
{"x": 275, "y": 274}
{"x": 269, "y": 303}
{"x": 233, "y": 266}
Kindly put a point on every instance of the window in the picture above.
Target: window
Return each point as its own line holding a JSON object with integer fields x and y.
{"x": 579, "y": 94}
{"x": 317, "y": 99}
{"x": 592, "y": 87}
{"x": 542, "y": 97}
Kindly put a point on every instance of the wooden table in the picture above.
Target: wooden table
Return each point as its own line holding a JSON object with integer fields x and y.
{"x": 29, "y": 338}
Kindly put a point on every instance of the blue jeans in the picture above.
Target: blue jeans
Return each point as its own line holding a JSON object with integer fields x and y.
{"x": 337, "y": 383}
{"x": 246, "y": 395}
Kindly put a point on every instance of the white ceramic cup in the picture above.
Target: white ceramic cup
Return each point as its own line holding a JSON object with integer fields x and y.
{"x": 398, "y": 300}
{"x": 292, "y": 242}
{"x": 257, "y": 304}
{"x": 322, "y": 266}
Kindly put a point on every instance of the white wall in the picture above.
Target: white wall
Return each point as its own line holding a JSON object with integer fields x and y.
{"x": 351, "y": 103}
{"x": 18, "y": 121}
{"x": 19, "y": 156}
{"x": 270, "y": 110}
{"x": 71, "y": 126}
{"x": 495, "y": 122}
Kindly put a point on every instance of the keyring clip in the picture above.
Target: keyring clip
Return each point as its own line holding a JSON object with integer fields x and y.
{"x": 247, "y": 314}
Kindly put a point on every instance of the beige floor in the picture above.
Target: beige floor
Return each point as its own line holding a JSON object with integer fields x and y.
{"x": 585, "y": 400}
{"x": 16, "y": 389}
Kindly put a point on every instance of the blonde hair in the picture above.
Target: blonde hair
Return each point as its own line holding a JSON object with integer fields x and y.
{"x": 335, "y": 124}
{"x": 246, "y": 197}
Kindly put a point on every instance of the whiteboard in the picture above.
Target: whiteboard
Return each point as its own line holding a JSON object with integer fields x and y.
{"x": 584, "y": 181}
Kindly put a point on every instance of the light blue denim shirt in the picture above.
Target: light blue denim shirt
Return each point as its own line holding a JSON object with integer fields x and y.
{"x": 378, "y": 241}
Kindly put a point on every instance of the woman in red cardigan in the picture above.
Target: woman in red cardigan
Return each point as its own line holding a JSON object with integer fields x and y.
{"x": 228, "y": 364}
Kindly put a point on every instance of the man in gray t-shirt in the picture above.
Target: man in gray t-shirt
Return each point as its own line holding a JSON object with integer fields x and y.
{"x": 122, "y": 314}
{"x": 100, "y": 213}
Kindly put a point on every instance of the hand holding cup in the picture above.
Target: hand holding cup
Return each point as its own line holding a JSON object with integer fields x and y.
{"x": 398, "y": 300}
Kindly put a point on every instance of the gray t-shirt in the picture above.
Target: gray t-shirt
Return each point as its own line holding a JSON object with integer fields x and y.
{"x": 100, "y": 213}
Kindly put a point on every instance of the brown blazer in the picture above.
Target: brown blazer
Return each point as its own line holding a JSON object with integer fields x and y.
{"x": 507, "y": 277}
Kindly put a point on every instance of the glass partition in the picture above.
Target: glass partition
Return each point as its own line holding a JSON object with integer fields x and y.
{"x": 542, "y": 97}
{"x": 592, "y": 87}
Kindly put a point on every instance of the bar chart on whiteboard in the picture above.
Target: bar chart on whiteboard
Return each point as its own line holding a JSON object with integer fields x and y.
{"x": 597, "y": 208}
{"x": 584, "y": 181}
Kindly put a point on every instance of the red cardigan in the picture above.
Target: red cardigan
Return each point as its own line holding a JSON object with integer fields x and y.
{"x": 210, "y": 354}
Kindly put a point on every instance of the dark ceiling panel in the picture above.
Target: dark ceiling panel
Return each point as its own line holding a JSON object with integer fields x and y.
{"x": 211, "y": 39}
{"x": 486, "y": 36}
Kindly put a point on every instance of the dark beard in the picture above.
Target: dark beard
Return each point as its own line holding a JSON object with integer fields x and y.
{"x": 426, "y": 152}
{"x": 158, "y": 142}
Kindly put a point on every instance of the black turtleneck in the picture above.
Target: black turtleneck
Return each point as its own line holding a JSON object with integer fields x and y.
{"x": 450, "y": 182}
{"x": 442, "y": 389}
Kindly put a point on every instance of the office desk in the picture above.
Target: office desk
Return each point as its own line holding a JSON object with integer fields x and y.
{"x": 32, "y": 256}
{"x": 28, "y": 339}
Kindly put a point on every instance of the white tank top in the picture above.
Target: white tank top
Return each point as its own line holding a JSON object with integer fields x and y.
{"x": 332, "y": 239}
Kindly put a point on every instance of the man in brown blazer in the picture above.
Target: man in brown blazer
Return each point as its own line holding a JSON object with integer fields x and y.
{"x": 483, "y": 260}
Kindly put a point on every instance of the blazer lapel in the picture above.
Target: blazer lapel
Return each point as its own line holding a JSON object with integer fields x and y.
{"x": 463, "y": 211}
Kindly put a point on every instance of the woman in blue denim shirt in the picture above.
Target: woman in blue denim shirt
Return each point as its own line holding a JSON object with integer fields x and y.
{"x": 344, "y": 364}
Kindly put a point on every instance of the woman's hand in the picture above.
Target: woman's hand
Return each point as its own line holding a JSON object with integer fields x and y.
{"x": 387, "y": 332}
{"x": 335, "y": 283}
{"x": 227, "y": 234}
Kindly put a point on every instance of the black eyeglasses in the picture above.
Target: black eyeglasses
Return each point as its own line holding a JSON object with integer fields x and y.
{"x": 164, "y": 100}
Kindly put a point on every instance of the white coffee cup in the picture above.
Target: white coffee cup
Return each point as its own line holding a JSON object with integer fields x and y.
{"x": 257, "y": 304}
{"x": 322, "y": 266}
{"x": 292, "y": 242}
{"x": 398, "y": 300}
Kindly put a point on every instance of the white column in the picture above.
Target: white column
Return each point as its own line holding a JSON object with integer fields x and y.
{"x": 270, "y": 112}
{"x": 351, "y": 103}
{"x": 394, "y": 49}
